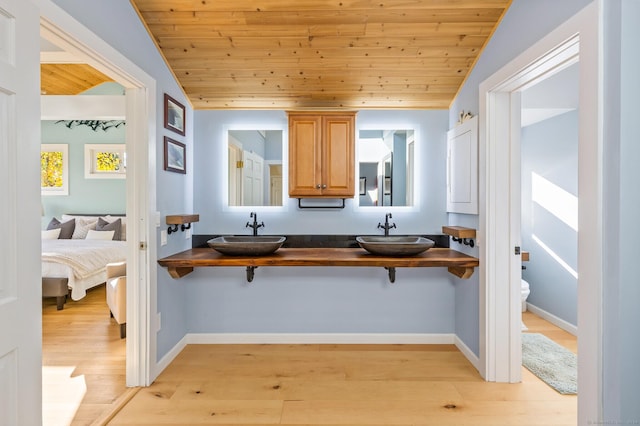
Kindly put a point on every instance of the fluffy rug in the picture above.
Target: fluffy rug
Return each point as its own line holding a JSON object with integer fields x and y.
{"x": 552, "y": 363}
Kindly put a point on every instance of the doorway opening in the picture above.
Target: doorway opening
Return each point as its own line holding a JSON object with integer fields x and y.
{"x": 140, "y": 94}
{"x": 499, "y": 224}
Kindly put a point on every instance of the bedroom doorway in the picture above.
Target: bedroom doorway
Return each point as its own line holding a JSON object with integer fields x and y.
{"x": 140, "y": 92}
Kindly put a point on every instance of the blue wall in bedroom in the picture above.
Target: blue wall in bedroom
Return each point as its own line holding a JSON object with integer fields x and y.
{"x": 85, "y": 195}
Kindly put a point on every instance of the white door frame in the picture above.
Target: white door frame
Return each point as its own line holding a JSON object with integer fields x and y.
{"x": 500, "y": 307}
{"x": 66, "y": 32}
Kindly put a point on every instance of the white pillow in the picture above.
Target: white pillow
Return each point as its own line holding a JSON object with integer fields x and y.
{"x": 51, "y": 234}
{"x": 92, "y": 234}
{"x": 82, "y": 227}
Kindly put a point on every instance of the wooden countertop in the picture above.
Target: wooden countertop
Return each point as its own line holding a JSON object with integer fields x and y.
{"x": 459, "y": 264}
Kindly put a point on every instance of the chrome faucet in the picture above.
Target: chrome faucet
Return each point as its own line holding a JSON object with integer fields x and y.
{"x": 386, "y": 225}
{"x": 255, "y": 225}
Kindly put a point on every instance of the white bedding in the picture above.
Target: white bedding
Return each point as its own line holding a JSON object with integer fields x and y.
{"x": 82, "y": 262}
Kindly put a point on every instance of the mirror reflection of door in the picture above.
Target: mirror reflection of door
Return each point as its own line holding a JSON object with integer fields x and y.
{"x": 252, "y": 179}
{"x": 235, "y": 175}
{"x": 255, "y": 167}
{"x": 275, "y": 184}
{"x": 386, "y": 165}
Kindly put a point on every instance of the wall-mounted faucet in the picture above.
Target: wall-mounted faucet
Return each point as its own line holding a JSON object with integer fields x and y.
{"x": 255, "y": 225}
{"x": 386, "y": 225}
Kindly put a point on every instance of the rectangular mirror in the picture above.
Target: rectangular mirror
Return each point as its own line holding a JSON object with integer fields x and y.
{"x": 255, "y": 167}
{"x": 386, "y": 166}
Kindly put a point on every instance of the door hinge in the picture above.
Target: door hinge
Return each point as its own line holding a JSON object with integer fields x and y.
{"x": 142, "y": 245}
{"x": 517, "y": 250}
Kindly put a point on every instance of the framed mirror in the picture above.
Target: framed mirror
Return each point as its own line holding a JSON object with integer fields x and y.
{"x": 255, "y": 167}
{"x": 386, "y": 167}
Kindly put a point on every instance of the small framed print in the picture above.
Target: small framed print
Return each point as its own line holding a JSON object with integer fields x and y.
{"x": 54, "y": 169}
{"x": 363, "y": 186}
{"x": 104, "y": 161}
{"x": 175, "y": 159}
{"x": 174, "y": 115}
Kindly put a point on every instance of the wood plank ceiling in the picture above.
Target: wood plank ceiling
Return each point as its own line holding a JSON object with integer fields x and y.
{"x": 343, "y": 54}
{"x": 69, "y": 79}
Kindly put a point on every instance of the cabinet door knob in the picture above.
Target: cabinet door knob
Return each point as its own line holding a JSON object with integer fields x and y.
{"x": 324, "y": 186}
{"x": 318, "y": 186}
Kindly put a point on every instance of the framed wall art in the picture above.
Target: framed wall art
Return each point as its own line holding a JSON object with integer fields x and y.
{"x": 54, "y": 169}
{"x": 104, "y": 161}
{"x": 174, "y": 115}
{"x": 175, "y": 159}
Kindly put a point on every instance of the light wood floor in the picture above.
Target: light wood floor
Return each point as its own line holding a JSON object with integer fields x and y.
{"x": 83, "y": 360}
{"x": 343, "y": 384}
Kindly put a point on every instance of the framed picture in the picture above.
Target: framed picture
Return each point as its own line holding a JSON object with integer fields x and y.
{"x": 104, "y": 161}
{"x": 174, "y": 156}
{"x": 174, "y": 115}
{"x": 387, "y": 186}
{"x": 54, "y": 169}
{"x": 363, "y": 186}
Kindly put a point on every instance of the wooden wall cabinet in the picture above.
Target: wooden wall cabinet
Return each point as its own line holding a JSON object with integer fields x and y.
{"x": 321, "y": 154}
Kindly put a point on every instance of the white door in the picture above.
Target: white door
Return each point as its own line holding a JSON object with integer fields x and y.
{"x": 20, "y": 281}
{"x": 252, "y": 179}
{"x": 235, "y": 179}
{"x": 275, "y": 185}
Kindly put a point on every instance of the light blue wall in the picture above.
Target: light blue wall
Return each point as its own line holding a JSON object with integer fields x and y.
{"x": 627, "y": 316}
{"x": 274, "y": 144}
{"x": 85, "y": 195}
{"x": 251, "y": 141}
{"x": 621, "y": 315}
{"x": 550, "y": 149}
{"x": 524, "y": 24}
{"x": 118, "y": 24}
{"x": 320, "y": 300}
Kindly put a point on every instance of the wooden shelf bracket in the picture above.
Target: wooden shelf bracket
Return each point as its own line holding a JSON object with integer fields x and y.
{"x": 460, "y": 234}
{"x": 184, "y": 220}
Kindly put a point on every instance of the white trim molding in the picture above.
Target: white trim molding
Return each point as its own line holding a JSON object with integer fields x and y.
{"x": 85, "y": 107}
{"x": 467, "y": 352}
{"x": 320, "y": 338}
{"x": 566, "y": 326}
{"x": 168, "y": 358}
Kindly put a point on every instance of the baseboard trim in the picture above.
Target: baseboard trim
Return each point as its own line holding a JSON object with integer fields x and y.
{"x": 468, "y": 353}
{"x": 566, "y": 326}
{"x": 318, "y": 338}
{"x": 170, "y": 356}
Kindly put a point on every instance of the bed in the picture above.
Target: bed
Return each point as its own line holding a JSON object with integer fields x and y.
{"x": 80, "y": 261}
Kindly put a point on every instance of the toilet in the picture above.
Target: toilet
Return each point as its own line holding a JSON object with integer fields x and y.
{"x": 525, "y": 294}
